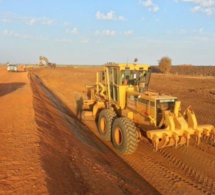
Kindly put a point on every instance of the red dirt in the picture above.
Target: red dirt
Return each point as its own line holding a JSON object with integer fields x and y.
{"x": 46, "y": 149}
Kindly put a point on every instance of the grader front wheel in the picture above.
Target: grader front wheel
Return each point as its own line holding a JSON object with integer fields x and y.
{"x": 105, "y": 121}
{"x": 124, "y": 136}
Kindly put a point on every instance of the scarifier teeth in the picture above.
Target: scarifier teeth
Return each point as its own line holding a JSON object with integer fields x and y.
{"x": 187, "y": 136}
{"x": 173, "y": 140}
{"x": 206, "y": 132}
{"x": 176, "y": 139}
{"x": 198, "y": 137}
{"x": 165, "y": 138}
{"x": 155, "y": 141}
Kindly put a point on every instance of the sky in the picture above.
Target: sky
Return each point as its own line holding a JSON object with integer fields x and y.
{"x": 93, "y": 32}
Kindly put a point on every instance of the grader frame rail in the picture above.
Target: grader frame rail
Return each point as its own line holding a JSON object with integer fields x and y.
{"x": 125, "y": 110}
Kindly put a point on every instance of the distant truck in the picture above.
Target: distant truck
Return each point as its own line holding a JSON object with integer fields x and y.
{"x": 12, "y": 68}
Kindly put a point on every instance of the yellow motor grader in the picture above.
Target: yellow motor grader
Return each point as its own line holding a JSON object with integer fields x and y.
{"x": 125, "y": 110}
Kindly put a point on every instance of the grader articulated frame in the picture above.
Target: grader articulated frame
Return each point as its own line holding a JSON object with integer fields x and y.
{"x": 125, "y": 110}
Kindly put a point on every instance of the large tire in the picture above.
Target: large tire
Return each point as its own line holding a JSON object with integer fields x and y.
{"x": 124, "y": 136}
{"x": 105, "y": 121}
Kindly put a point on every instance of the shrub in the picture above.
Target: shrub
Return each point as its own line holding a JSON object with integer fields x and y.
{"x": 165, "y": 64}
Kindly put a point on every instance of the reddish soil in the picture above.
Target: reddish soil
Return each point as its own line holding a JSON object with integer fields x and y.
{"x": 46, "y": 148}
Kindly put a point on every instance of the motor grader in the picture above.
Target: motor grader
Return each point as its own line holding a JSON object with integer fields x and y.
{"x": 126, "y": 110}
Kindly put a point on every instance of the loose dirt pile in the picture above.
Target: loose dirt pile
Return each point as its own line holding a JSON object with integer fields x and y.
{"x": 46, "y": 149}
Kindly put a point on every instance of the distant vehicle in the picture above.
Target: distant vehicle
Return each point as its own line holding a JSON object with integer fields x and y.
{"x": 12, "y": 68}
{"x": 47, "y": 63}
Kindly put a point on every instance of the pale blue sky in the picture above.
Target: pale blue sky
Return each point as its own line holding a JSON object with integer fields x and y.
{"x": 96, "y": 31}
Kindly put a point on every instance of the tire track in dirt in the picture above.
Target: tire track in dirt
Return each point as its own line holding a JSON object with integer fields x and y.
{"x": 207, "y": 146}
{"x": 20, "y": 168}
{"x": 167, "y": 180}
{"x": 170, "y": 167}
{"x": 203, "y": 178}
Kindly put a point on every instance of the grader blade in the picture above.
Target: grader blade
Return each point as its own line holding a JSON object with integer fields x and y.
{"x": 86, "y": 110}
{"x": 87, "y": 116}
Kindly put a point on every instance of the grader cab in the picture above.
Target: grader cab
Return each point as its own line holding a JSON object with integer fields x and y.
{"x": 125, "y": 110}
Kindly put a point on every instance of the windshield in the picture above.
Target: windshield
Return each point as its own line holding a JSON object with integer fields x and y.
{"x": 132, "y": 77}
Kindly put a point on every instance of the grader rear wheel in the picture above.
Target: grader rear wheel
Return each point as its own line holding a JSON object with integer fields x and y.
{"x": 105, "y": 121}
{"x": 124, "y": 136}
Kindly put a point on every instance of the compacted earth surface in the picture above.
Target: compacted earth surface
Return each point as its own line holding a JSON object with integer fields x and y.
{"x": 47, "y": 149}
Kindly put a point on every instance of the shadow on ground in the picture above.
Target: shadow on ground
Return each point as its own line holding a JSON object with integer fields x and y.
{"x": 6, "y": 88}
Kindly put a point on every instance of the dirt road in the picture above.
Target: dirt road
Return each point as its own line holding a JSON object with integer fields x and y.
{"x": 20, "y": 164}
{"x": 47, "y": 147}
